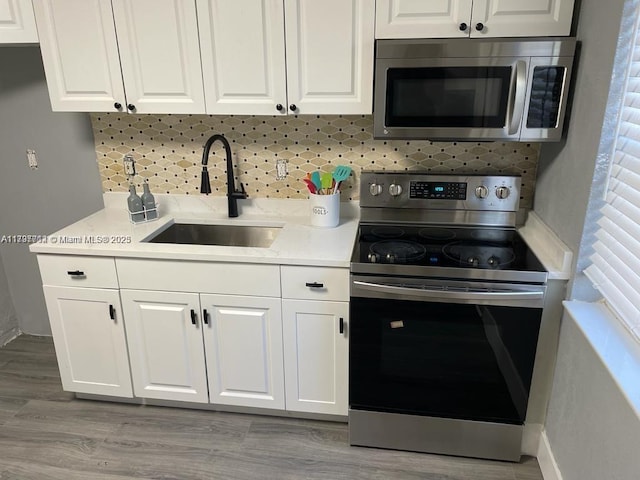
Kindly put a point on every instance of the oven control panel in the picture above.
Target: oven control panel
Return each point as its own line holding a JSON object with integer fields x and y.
{"x": 438, "y": 190}
{"x": 384, "y": 189}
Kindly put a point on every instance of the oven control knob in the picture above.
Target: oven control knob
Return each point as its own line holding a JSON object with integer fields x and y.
{"x": 395, "y": 189}
{"x": 391, "y": 258}
{"x": 493, "y": 261}
{"x": 482, "y": 191}
{"x": 373, "y": 258}
{"x": 502, "y": 192}
{"x": 473, "y": 261}
{"x": 375, "y": 189}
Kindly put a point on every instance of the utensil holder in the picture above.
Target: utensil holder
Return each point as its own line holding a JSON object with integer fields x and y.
{"x": 324, "y": 210}
{"x": 144, "y": 219}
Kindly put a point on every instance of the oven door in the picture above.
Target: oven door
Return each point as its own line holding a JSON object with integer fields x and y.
{"x": 449, "y": 98}
{"x": 463, "y": 351}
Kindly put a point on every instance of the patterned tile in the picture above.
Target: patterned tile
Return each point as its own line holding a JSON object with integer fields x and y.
{"x": 168, "y": 152}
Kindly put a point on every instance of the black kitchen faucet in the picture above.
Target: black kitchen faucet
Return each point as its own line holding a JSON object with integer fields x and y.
{"x": 205, "y": 187}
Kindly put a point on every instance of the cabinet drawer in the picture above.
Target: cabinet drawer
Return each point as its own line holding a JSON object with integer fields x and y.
{"x": 205, "y": 277}
{"x": 315, "y": 283}
{"x": 78, "y": 271}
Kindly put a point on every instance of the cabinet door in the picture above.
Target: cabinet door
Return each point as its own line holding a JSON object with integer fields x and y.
{"x": 17, "y": 23}
{"x": 244, "y": 68}
{"x": 80, "y": 54}
{"x": 160, "y": 55}
{"x": 330, "y": 56}
{"x": 316, "y": 356}
{"x": 164, "y": 334}
{"x": 420, "y": 19}
{"x": 88, "y": 333}
{"x": 243, "y": 345}
{"x": 522, "y": 18}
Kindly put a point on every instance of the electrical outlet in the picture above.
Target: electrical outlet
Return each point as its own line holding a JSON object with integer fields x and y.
{"x": 129, "y": 165}
{"x": 32, "y": 159}
{"x": 281, "y": 169}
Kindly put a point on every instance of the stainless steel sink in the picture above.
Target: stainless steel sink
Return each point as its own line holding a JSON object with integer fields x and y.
{"x": 226, "y": 235}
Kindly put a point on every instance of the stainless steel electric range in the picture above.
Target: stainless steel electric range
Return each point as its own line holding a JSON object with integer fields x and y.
{"x": 446, "y": 303}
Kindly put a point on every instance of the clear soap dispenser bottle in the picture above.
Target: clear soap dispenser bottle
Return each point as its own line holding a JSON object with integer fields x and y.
{"x": 149, "y": 202}
{"x": 134, "y": 202}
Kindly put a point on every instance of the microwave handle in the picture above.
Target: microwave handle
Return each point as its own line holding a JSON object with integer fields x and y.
{"x": 517, "y": 93}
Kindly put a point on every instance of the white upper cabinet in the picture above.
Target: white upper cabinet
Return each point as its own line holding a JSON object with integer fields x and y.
{"x": 243, "y": 59}
{"x": 152, "y": 46}
{"x": 330, "y": 56}
{"x": 17, "y": 23}
{"x": 328, "y": 48}
{"x": 472, "y": 18}
{"x": 160, "y": 55}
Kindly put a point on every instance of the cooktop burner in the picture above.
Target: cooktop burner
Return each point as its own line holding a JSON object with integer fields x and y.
{"x": 445, "y": 246}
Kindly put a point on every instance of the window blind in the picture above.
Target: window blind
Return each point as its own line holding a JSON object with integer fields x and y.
{"x": 615, "y": 268}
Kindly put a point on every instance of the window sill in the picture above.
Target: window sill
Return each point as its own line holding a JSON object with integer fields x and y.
{"x": 618, "y": 350}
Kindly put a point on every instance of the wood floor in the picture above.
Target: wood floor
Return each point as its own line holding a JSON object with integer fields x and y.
{"x": 46, "y": 433}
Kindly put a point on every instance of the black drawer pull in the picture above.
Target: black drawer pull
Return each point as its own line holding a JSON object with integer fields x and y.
{"x": 76, "y": 273}
{"x": 314, "y": 285}
{"x": 193, "y": 317}
{"x": 341, "y": 325}
{"x": 205, "y": 316}
{"x": 112, "y": 312}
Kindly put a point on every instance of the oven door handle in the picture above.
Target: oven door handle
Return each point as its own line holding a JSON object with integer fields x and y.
{"x": 466, "y": 294}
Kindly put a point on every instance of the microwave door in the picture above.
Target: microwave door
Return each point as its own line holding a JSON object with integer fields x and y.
{"x": 463, "y": 98}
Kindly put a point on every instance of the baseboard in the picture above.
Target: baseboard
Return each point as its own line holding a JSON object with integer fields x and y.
{"x": 547, "y": 460}
{"x": 9, "y": 336}
{"x": 531, "y": 439}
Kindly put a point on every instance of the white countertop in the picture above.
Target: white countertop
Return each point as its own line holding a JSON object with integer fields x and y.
{"x": 298, "y": 243}
{"x": 553, "y": 253}
{"x": 109, "y": 232}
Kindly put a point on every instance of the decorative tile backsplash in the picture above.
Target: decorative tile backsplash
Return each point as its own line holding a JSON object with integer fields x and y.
{"x": 168, "y": 151}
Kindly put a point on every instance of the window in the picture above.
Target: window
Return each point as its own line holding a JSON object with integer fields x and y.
{"x": 615, "y": 268}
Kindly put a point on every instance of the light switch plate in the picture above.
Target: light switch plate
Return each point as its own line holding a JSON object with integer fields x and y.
{"x": 129, "y": 165}
{"x": 281, "y": 169}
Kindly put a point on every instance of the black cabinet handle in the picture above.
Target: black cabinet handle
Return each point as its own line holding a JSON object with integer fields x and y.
{"x": 314, "y": 285}
{"x": 341, "y": 325}
{"x": 117, "y": 106}
{"x": 205, "y": 316}
{"x": 463, "y": 27}
{"x": 131, "y": 107}
{"x": 479, "y": 27}
{"x": 193, "y": 317}
{"x": 293, "y": 107}
{"x": 76, "y": 273}
{"x": 279, "y": 107}
{"x": 112, "y": 312}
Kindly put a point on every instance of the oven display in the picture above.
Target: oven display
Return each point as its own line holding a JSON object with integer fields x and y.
{"x": 438, "y": 190}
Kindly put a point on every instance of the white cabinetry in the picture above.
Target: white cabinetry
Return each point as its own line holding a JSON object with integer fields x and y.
{"x": 164, "y": 333}
{"x": 87, "y": 324}
{"x": 17, "y": 23}
{"x": 315, "y": 312}
{"x": 328, "y": 48}
{"x": 139, "y": 56}
{"x": 243, "y": 345}
{"x": 472, "y": 18}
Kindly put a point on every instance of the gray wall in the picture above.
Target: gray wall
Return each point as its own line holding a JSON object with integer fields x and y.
{"x": 8, "y": 319}
{"x": 592, "y": 430}
{"x": 565, "y": 170}
{"x": 65, "y": 187}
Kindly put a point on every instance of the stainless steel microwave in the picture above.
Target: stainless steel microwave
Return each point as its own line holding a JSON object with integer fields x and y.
{"x": 472, "y": 89}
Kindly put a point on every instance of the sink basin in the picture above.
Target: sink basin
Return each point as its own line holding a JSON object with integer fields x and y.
{"x": 226, "y": 235}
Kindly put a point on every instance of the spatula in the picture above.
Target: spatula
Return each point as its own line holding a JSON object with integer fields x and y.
{"x": 315, "y": 178}
{"x": 327, "y": 180}
{"x": 340, "y": 174}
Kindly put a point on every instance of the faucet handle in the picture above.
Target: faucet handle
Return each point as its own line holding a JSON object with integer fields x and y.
{"x": 242, "y": 193}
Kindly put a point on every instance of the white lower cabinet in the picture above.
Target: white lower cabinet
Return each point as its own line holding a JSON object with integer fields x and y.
{"x": 164, "y": 333}
{"x": 316, "y": 351}
{"x": 89, "y": 337}
{"x": 243, "y": 347}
